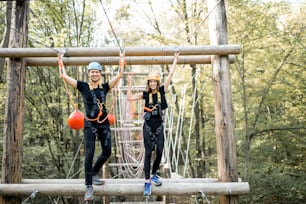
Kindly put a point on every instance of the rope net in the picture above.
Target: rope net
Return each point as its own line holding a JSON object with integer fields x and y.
{"x": 129, "y": 140}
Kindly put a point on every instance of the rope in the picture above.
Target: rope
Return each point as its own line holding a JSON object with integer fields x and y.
{"x": 61, "y": 67}
{"x": 179, "y": 129}
{"x": 196, "y": 30}
{"x": 204, "y": 196}
{"x": 190, "y": 126}
{"x": 74, "y": 158}
{"x": 111, "y": 26}
{"x": 30, "y": 197}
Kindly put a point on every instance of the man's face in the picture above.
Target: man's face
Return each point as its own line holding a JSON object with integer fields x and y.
{"x": 94, "y": 75}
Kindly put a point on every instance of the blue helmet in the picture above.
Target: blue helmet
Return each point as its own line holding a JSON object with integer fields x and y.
{"x": 94, "y": 65}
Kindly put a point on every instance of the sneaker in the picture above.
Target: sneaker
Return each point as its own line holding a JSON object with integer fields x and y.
{"x": 155, "y": 180}
{"x": 147, "y": 189}
{"x": 96, "y": 180}
{"x": 89, "y": 194}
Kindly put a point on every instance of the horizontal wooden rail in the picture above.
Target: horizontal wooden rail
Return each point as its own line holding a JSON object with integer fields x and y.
{"x": 147, "y": 60}
{"x": 127, "y": 187}
{"x": 120, "y": 181}
{"x": 114, "y": 51}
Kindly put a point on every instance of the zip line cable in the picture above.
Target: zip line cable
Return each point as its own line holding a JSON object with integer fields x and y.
{"x": 197, "y": 28}
{"x": 27, "y": 36}
{"x": 111, "y": 26}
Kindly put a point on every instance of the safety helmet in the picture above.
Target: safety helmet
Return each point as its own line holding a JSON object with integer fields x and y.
{"x": 154, "y": 75}
{"x": 94, "y": 65}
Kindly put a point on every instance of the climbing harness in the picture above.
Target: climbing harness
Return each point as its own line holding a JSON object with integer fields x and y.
{"x": 98, "y": 105}
{"x": 154, "y": 109}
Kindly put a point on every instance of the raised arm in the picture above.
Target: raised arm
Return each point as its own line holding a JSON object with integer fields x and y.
{"x": 171, "y": 72}
{"x": 69, "y": 80}
{"x": 112, "y": 83}
{"x": 130, "y": 96}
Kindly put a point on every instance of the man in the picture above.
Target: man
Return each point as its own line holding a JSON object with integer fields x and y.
{"x": 96, "y": 124}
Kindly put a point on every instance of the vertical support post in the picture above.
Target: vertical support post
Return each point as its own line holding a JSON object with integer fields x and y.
{"x": 14, "y": 111}
{"x": 224, "y": 113}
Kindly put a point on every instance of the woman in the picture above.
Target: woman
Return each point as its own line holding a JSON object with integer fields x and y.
{"x": 153, "y": 129}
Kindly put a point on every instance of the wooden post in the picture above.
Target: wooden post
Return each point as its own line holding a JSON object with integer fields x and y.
{"x": 14, "y": 112}
{"x": 224, "y": 113}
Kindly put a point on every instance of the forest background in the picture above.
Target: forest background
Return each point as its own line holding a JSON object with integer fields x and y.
{"x": 268, "y": 85}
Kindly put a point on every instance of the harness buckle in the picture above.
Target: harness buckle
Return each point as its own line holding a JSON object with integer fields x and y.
{"x": 100, "y": 104}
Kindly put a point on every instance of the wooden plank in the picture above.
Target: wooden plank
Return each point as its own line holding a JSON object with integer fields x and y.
{"x": 120, "y": 189}
{"x": 114, "y": 51}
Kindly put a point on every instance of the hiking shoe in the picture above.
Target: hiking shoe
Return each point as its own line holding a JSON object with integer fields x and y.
{"x": 147, "y": 189}
{"x": 96, "y": 180}
{"x": 89, "y": 194}
{"x": 155, "y": 180}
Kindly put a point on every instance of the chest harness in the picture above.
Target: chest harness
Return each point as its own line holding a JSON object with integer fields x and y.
{"x": 98, "y": 105}
{"x": 153, "y": 110}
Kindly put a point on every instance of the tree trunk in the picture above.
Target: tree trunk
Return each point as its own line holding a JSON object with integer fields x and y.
{"x": 6, "y": 38}
{"x": 224, "y": 113}
{"x": 14, "y": 112}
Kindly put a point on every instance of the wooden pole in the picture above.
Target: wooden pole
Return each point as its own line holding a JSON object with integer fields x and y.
{"x": 120, "y": 189}
{"x": 224, "y": 113}
{"x": 153, "y": 60}
{"x": 14, "y": 111}
{"x": 117, "y": 181}
{"x": 114, "y": 51}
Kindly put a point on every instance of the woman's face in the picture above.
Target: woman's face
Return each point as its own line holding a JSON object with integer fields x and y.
{"x": 153, "y": 84}
{"x": 94, "y": 75}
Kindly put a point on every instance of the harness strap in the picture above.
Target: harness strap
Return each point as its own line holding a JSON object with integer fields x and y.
{"x": 155, "y": 106}
{"x": 151, "y": 109}
{"x": 97, "y": 104}
{"x": 151, "y": 98}
{"x": 153, "y": 136}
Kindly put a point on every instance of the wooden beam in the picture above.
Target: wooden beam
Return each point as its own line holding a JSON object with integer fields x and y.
{"x": 126, "y": 188}
{"x": 114, "y": 51}
{"x": 120, "y": 181}
{"x": 147, "y": 60}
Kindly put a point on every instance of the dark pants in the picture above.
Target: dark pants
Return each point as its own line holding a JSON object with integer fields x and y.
{"x": 104, "y": 136}
{"x": 159, "y": 147}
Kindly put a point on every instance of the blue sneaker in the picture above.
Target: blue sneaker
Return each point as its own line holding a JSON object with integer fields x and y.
{"x": 147, "y": 189}
{"x": 155, "y": 180}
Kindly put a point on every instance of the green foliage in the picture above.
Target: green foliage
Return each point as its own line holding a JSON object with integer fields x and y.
{"x": 268, "y": 80}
